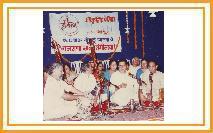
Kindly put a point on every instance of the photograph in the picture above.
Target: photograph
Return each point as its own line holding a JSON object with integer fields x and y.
{"x": 107, "y": 66}
{"x": 103, "y": 65}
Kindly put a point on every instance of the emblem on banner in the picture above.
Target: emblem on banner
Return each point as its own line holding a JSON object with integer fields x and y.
{"x": 69, "y": 24}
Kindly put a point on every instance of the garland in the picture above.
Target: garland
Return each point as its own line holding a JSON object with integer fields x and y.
{"x": 58, "y": 54}
{"x": 113, "y": 53}
{"x": 142, "y": 21}
{"x": 135, "y": 35}
{"x": 127, "y": 28}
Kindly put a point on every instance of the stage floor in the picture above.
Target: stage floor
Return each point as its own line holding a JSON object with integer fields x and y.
{"x": 150, "y": 115}
{"x": 146, "y": 115}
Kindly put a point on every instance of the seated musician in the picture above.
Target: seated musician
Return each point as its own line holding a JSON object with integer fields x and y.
{"x": 57, "y": 104}
{"x": 86, "y": 83}
{"x": 122, "y": 85}
{"x": 154, "y": 79}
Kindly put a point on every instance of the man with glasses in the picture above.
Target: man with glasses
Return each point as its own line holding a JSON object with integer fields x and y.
{"x": 126, "y": 86}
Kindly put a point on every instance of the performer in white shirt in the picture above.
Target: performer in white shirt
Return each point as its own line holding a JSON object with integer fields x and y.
{"x": 135, "y": 66}
{"x": 86, "y": 83}
{"x": 127, "y": 87}
{"x": 55, "y": 100}
{"x": 154, "y": 79}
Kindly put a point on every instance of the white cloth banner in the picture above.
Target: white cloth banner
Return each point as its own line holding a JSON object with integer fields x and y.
{"x": 72, "y": 32}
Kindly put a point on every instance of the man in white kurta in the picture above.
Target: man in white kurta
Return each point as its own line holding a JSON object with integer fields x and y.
{"x": 85, "y": 82}
{"x": 128, "y": 87}
{"x": 55, "y": 106}
{"x": 157, "y": 78}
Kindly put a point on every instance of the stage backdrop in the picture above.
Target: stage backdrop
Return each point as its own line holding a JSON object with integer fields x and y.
{"x": 72, "y": 30}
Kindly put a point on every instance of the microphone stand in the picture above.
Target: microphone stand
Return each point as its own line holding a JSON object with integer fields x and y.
{"x": 151, "y": 82}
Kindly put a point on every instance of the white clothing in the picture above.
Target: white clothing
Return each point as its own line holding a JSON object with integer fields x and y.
{"x": 54, "y": 104}
{"x": 133, "y": 70}
{"x": 158, "y": 83}
{"x": 71, "y": 77}
{"x": 85, "y": 83}
{"x": 123, "y": 95}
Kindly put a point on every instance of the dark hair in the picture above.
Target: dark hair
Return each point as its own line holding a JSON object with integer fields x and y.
{"x": 103, "y": 69}
{"x": 111, "y": 61}
{"x": 99, "y": 63}
{"x": 53, "y": 66}
{"x": 144, "y": 60}
{"x": 123, "y": 60}
{"x": 67, "y": 66}
{"x": 64, "y": 75}
{"x": 127, "y": 63}
{"x": 84, "y": 67}
{"x": 153, "y": 62}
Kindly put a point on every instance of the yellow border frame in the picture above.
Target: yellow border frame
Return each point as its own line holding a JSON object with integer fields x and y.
{"x": 8, "y": 54}
{"x": 1, "y": 94}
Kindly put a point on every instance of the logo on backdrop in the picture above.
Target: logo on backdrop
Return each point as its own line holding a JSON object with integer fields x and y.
{"x": 69, "y": 24}
{"x": 72, "y": 31}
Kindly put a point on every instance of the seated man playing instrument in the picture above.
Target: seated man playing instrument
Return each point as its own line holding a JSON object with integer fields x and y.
{"x": 154, "y": 83}
{"x": 127, "y": 87}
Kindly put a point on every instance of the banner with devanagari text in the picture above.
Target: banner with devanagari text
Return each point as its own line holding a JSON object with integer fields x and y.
{"x": 72, "y": 32}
